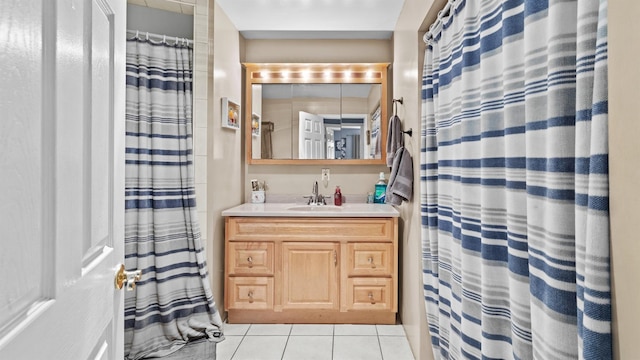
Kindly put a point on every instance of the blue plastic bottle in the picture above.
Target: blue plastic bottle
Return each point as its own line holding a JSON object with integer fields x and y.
{"x": 380, "y": 190}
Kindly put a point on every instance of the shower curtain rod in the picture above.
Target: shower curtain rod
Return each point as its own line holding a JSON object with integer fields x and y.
{"x": 136, "y": 34}
{"x": 446, "y": 10}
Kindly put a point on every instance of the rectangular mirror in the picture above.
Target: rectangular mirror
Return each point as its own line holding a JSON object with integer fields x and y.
{"x": 331, "y": 115}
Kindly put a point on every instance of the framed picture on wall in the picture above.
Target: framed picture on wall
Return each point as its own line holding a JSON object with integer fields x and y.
{"x": 255, "y": 124}
{"x": 230, "y": 114}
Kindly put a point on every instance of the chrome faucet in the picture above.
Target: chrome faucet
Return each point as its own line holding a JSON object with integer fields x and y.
{"x": 315, "y": 198}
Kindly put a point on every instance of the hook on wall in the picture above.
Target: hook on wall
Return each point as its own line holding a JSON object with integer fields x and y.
{"x": 395, "y": 113}
{"x": 395, "y": 106}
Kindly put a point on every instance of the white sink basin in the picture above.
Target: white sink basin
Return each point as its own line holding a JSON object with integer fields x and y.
{"x": 302, "y": 210}
{"x": 314, "y": 208}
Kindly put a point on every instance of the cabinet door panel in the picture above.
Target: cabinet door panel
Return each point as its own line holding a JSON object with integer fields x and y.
{"x": 310, "y": 275}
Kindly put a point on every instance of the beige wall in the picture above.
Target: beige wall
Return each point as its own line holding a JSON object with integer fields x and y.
{"x": 317, "y": 51}
{"x": 224, "y": 160}
{"x": 624, "y": 172}
{"x": 408, "y": 49}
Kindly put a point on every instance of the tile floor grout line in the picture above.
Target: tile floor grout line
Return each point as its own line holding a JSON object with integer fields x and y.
{"x": 333, "y": 340}
{"x": 286, "y": 342}
{"x": 379, "y": 344}
{"x": 240, "y": 343}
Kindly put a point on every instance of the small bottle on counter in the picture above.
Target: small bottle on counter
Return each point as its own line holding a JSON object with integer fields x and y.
{"x": 380, "y": 190}
{"x": 370, "y": 198}
{"x": 337, "y": 197}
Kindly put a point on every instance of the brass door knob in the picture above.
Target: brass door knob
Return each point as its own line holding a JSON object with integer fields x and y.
{"x": 128, "y": 278}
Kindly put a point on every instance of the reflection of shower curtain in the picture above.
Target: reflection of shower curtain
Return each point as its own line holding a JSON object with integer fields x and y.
{"x": 266, "y": 146}
{"x": 515, "y": 181}
{"x": 173, "y": 303}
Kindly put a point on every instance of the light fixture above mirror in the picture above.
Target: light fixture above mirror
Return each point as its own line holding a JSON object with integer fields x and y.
{"x": 316, "y": 114}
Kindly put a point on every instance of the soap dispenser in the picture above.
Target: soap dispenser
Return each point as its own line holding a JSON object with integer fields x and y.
{"x": 337, "y": 197}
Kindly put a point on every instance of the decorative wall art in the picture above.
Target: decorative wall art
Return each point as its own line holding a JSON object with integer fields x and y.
{"x": 230, "y": 114}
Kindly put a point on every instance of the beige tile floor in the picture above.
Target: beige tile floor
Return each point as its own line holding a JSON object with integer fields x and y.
{"x": 313, "y": 342}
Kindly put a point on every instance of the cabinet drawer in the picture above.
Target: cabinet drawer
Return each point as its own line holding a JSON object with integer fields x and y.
{"x": 370, "y": 259}
{"x": 311, "y": 229}
{"x": 369, "y": 294}
{"x": 250, "y": 293}
{"x": 250, "y": 258}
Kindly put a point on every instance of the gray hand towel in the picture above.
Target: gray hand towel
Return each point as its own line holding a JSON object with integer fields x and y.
{"x": 395, "y": 138}
{"x": 401, "y": 178}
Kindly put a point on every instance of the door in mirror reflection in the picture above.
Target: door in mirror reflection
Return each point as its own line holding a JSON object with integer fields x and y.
{"x": 311, "y": 136}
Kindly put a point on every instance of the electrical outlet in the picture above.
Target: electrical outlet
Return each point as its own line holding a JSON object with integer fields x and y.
{"x": 326, "y": 174}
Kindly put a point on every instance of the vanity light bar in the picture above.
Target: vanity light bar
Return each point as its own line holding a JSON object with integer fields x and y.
{"x": 316, "y": 72}
{"x": 316, "y": 75}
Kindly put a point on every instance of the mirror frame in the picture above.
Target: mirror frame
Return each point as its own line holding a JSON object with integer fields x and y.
{"x": 316, "y": 73}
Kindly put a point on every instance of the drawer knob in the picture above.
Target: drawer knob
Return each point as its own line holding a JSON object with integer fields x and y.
{"x": 373, "y": 301}
{"x": 250, "y": 261}
{"x": 370, "y": 260}
{"x": 250, "y": 295}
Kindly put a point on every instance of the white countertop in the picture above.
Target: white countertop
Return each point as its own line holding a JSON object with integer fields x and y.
{"x": 302, "y": 210}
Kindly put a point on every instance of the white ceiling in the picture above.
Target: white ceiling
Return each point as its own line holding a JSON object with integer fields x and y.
{"x": 313, "y": 19}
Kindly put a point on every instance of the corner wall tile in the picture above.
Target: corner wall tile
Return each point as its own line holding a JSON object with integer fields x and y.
{"x": 200, "y": 79}
{"x": 199, "y": 141}
{"x": 201, "y": 169}
{"x": 202, "y": 7}
{"x": 200, "y": 114}
{"x": 201, "y": 197}
{"x": 200, "y": 27}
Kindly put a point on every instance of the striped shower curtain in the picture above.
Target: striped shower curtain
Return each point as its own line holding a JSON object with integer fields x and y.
{"x": 514, "y": 180}
{"x": 173, "y": 303}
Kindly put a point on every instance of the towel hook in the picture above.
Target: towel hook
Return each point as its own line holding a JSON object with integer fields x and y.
{"x": 395, "y": 113}
{"x": 395, "y": 106}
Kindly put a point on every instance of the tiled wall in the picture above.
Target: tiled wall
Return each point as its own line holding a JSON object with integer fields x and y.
{"x": 200, "y": 103}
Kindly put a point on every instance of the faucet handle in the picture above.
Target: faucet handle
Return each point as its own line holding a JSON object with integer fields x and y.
{"x": 310, "y": 197}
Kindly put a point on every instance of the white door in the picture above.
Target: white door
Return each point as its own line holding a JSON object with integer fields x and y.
{"x": 61, "y": 178}
{"x": 311, "y": 136}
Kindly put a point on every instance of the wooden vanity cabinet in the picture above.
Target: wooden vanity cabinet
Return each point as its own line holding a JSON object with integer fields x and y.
{"x": 311, "y": 270}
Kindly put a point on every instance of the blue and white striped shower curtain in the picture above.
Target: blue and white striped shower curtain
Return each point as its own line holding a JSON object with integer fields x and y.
{"x": 173, "y": 302}
{"x": 514, "y": 181}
